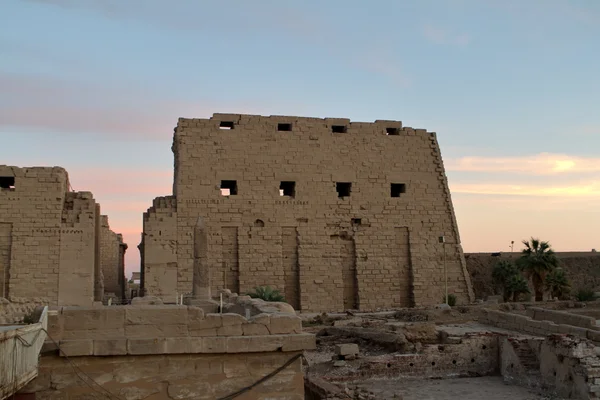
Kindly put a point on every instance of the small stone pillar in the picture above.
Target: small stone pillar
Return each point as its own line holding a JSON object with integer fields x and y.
{"x": 201, "y": 279}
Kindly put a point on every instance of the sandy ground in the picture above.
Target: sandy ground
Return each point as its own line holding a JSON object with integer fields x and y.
{"x": 485, "y": 388}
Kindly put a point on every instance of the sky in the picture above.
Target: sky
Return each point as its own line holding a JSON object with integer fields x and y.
{"x": 512, "y": 88}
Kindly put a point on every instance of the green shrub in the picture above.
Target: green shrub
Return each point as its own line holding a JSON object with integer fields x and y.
{"x": 585, "y": 295}
{"x": 266, "y": 293}
{"x": 557, "y": 283}
{"x": 451, "y": 300}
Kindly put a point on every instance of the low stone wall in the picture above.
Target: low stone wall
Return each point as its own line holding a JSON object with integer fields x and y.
{"x": 177, "y": 377}
{"x": 562, "y": 317}
{"x": 165, "y": 329}
{"x": 523, "y": 323}
{"x": 171, "y": 352}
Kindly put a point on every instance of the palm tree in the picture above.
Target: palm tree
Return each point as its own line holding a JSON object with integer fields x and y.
{"x": 557, "y": 283}
{"x": 502, "y": 274}
{"x": 536, "y": 261}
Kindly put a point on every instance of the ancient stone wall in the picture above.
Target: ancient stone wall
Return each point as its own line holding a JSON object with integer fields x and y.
{"x": 172, "y": 376}
{"x": 582, "y": 269}
{"x": 334, "y": 214}
{"x": 48, "y": 241}
{"x": 525, "y": 324}
{"x": 178, "y": 352}
{"x": 110, "y": 259}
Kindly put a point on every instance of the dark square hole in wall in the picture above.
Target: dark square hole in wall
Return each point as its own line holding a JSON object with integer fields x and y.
{"x": 339, "y": 129}
{"x": 227, "y": 125}
{"x": 356, "y": 221}
{"x": 287, "y": 188}
{"x": 343, "y": 188}
{"x": 397, "y": 189}
{"x": 229, "y": 188}
{"x": 392, "y": 131}
{"x": 7, "y": 182}
{"x": 284, "y": 127}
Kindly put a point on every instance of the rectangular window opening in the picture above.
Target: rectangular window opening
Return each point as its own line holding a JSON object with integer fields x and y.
{"x": 284, "y": 127}
{"x": 226, "y": 125}
{"x": 392, "y": 131}
{"x": 229, "y": 188}
{"x": 343, "y": 189}
{"x": 7, "y": 182}
{"x": 287, "y": 188}
{"x": 339, "y": 129}
{"x": 397, "y": 189}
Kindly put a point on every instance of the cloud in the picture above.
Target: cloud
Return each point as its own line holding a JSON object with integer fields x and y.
{"x": 539, "y": 164}
{"x": 588, "y": 189}
{"x": 75, "y": 107}
{"x": 444, "y": 37}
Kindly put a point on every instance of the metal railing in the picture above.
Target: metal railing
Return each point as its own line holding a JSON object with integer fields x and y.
{"x": 20, "y": 347}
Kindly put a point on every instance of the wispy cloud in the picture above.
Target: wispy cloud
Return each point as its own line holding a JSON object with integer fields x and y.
{"x": 587, "y": 189}
{"x": 75, "y": 107}
{"x": 539, "y": 164}
{"x": 442, "y": 36}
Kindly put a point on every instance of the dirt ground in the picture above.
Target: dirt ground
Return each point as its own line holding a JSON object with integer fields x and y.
{"x": 484, "y": 388}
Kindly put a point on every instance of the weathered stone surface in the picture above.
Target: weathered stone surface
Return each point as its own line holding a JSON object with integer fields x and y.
{"x": 137, "y": 393}
{"x": 146, "y": 346}
{"x": 275, "y": 236}
{"x": 73, "y": 348}
{"x": 180, "y": 391}
{"x": 346, "y": 349}
{"x": 156, "y": 315}
{"x": 110, "y": 347}
{"x": 154, "y": 331}
{"x": 252, "y": 329}
{"x": 285, "y": 323}
{"x": 86, "y": 318}
{"x": 146, "y": 300}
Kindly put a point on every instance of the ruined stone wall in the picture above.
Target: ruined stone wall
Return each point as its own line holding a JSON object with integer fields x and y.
{"x": 582, "y": 269}
{"x": 524, "y": 323}
{"x": 172, "y": 376}
{"x": 109, "y": 258}
{"x": 178, "y": 352}
{"x": 326, "y": 250}
{"x": 47, "y": 237}
{"x": 159, "y": 250}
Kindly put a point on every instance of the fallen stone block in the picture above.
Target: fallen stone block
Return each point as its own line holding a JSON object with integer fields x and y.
{"x": 346, "y": 349}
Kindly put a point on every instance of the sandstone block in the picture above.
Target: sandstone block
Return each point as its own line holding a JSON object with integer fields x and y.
{"x": 110, "y": 347}
{"x": 154, "y": 331}
{"x": 346, "y": 349}
{"x": 145, "y": 346}
{"x": 238, "y": 344}
{"x": 156, "y": 315}
{"x": 303, "y": 341}
{"x": 230, "y": 330}
{"x": 210, "y": 321}
{"x": 195, "y": 315}
{"x": 232, "y": 319}
{"x": 74, "y": 348}
{"x": 266, "y": 343}
{"x": 252, "y": 329}
{"x": 214, "y": 344}
{"x": 105, "y": 318}
{"x": 285, "y": 324}
{"x": 203, "y": 332}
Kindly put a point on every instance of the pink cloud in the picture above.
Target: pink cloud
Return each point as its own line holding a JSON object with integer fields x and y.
{"x": 539, "y": 164}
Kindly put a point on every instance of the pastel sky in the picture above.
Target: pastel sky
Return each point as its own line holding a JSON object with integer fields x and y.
{"x": 512, "y": 87}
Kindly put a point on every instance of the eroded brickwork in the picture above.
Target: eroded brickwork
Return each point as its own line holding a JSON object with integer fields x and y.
{"x": 47, "y": 237}
{"x": 110, "y": 259}
{"x": 366, "y": 201}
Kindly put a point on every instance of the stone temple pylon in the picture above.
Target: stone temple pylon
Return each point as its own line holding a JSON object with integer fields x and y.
{"x": 201, "y": 296}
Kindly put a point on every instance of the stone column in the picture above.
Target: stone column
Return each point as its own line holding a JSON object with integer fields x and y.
{"x": 121, "y": 269}
{"x": 201, "y": 279}
{"x": 98, "y": 275}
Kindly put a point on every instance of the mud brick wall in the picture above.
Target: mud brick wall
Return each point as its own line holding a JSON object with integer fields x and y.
{"x": 47, "y": 237}
{"x": 376, "y": 248}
